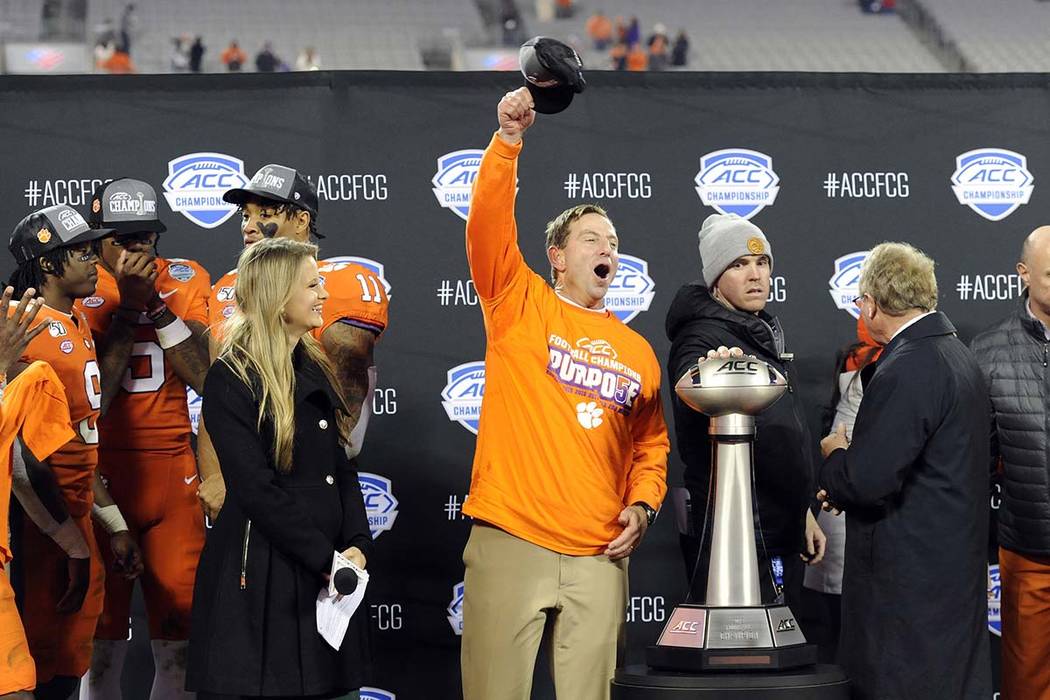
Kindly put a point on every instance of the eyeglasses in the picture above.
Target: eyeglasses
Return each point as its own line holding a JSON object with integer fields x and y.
{"x": 858, "y": 299}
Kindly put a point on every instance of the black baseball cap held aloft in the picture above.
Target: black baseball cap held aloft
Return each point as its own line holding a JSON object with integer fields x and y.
{"x": 48, "y": 229}
{"x": 126, "y": 206}
{"x": 553, "y": 73}
{"x": 277, "y": 183}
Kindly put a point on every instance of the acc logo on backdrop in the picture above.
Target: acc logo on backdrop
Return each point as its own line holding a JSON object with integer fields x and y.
{"x": 737, "y": 181}
{"x": 462, "y": 394}
{"x": 993, "y": 182}
{"x": 339, "y": 262}
{"x": 632, "y": 290}
{"x": 995, "y": 592}
{"x": 455, "y": 609}
{"x": 367, "y": 693}
{"x": 196, "y": 183}
{"x": 380, "y": 503}
{"x": 844, "y": 283}
{"x": 454, "y": 178}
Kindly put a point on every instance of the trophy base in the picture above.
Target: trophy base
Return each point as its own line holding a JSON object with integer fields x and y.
{"x": 700, "y": 638}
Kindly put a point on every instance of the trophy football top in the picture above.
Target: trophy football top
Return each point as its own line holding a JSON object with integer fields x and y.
{"x": 717, "y": 387}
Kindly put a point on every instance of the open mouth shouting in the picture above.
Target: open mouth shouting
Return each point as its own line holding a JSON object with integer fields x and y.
{"x": 603, "y": 272}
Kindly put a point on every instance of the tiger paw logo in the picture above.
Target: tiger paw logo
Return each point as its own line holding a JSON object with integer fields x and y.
{"x": 589, "y": 415}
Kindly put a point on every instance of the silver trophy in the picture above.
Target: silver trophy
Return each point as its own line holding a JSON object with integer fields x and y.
{"x": 732, "y": 629}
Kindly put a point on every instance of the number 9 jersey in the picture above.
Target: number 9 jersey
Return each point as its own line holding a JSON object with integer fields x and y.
{"x": 68, "y": 347}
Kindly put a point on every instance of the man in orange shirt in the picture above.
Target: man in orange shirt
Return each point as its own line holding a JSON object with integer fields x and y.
{"x": 34, "y": 410}
{"x": 59, "y": 569}
{"x": 145, "y": 455}
{"x": 280, "y": 202}
{"x": 571, "y": 459}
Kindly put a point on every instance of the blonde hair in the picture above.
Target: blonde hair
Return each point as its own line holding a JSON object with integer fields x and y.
{"x": 255, "y": 343}
{"x": 899, "y": 277}
{"x": 558, "y": 227}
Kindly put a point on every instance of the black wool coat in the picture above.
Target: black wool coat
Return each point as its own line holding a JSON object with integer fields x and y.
{"x": 253, "y": 621}
{"x": 914, "y": 484}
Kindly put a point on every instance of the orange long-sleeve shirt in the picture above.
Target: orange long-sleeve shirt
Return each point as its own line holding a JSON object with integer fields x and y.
{"x": 571, "y": 427}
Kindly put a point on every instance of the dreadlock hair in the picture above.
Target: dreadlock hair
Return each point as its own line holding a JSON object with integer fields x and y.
{"x": 31, "y": 273}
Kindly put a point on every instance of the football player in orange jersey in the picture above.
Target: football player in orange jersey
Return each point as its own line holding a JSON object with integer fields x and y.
{"x": 280, "y": 202}
{"x": 145, "y": 455}
{"x": 58, "y": 569}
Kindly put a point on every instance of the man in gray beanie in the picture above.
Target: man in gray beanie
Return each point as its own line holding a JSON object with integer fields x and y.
{"x": 721, "y": 313}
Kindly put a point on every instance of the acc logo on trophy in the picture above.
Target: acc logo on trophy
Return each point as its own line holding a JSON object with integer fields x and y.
{"x": 844, "y": 283}
{"x": 454, "y": 179}
{"x": 196, "y": 183}
{"x": 993, "y": 182}
{"x": 380, "y": 503}
{"x": 455, "y": 609}
{"x": 367, "y": 693}
{"x": 632, "y": 289}
{"x": 995, "y": 593}
{"x": 737, "y": 181}
{"x": 462, "y": 394}
{"x": 340, "y": 262}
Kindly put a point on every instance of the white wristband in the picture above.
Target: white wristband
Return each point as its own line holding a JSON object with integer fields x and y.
{"x": 109, "y": 517}
{"x": 68, "y": 536}
{"x": 172, "y": 334}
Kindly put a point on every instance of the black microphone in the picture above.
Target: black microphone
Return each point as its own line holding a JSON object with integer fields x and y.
{"x": 345, "y": 581}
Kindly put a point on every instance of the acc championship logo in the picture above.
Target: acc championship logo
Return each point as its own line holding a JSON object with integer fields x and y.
{"x": 455, "y": 609}
{"x": 193, "y": 404}
{"x": 380, "y": 503}
{"x": 993, "y": 182}
{"x": 462, "y": 395}
{"x": 632, "y": 290}
{"x": 367, "y": 693}
{"x": 737, "y": 181}
{"x": 454, "y": 178}
{"x": 124, "y": 203}
{"x": 196, "y": 183}
{"x": 844, "y": 283}
{"x": 995, "y": 622}
{"x": 340, "y": 262}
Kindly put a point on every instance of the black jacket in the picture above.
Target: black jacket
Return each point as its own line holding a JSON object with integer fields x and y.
{"x": 914, "y": 484}
{"x": 253, "y": 620}
{"x": 784, "y": 468}
{"x": 1012, "y": 355}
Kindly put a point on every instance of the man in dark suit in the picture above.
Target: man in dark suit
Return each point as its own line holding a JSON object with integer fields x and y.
{"x": 915, "y": 483}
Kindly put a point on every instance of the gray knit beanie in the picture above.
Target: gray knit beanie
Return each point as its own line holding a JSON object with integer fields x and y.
{"x": 726, "y": 237}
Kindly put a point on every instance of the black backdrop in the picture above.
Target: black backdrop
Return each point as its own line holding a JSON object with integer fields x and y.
{"x": 855, "y": 159}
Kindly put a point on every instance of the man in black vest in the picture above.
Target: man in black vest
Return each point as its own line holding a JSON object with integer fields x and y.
{"x": 1013, "y": 357}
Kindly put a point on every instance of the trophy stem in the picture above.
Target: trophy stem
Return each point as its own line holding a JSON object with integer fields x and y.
{"x": 732, "y": 579}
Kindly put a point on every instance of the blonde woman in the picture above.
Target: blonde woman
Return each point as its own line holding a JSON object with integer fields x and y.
{"x": 293, "y": 499}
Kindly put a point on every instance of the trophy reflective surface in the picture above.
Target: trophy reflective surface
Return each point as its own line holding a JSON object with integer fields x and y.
{"x": 732, "y": 629}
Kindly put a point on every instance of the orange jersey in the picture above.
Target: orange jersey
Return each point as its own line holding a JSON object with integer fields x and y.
{"x": 34, "y": 408}
{"x": 68, "y": 347}
{"x": 356, "y": 294}
{"x": 572, "y": 427}
{"x": 149, "y": 412}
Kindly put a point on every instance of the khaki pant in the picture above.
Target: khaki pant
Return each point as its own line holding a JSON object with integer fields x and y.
{"x": 511, "y": 587}
{"x": 1025, "y": 610}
